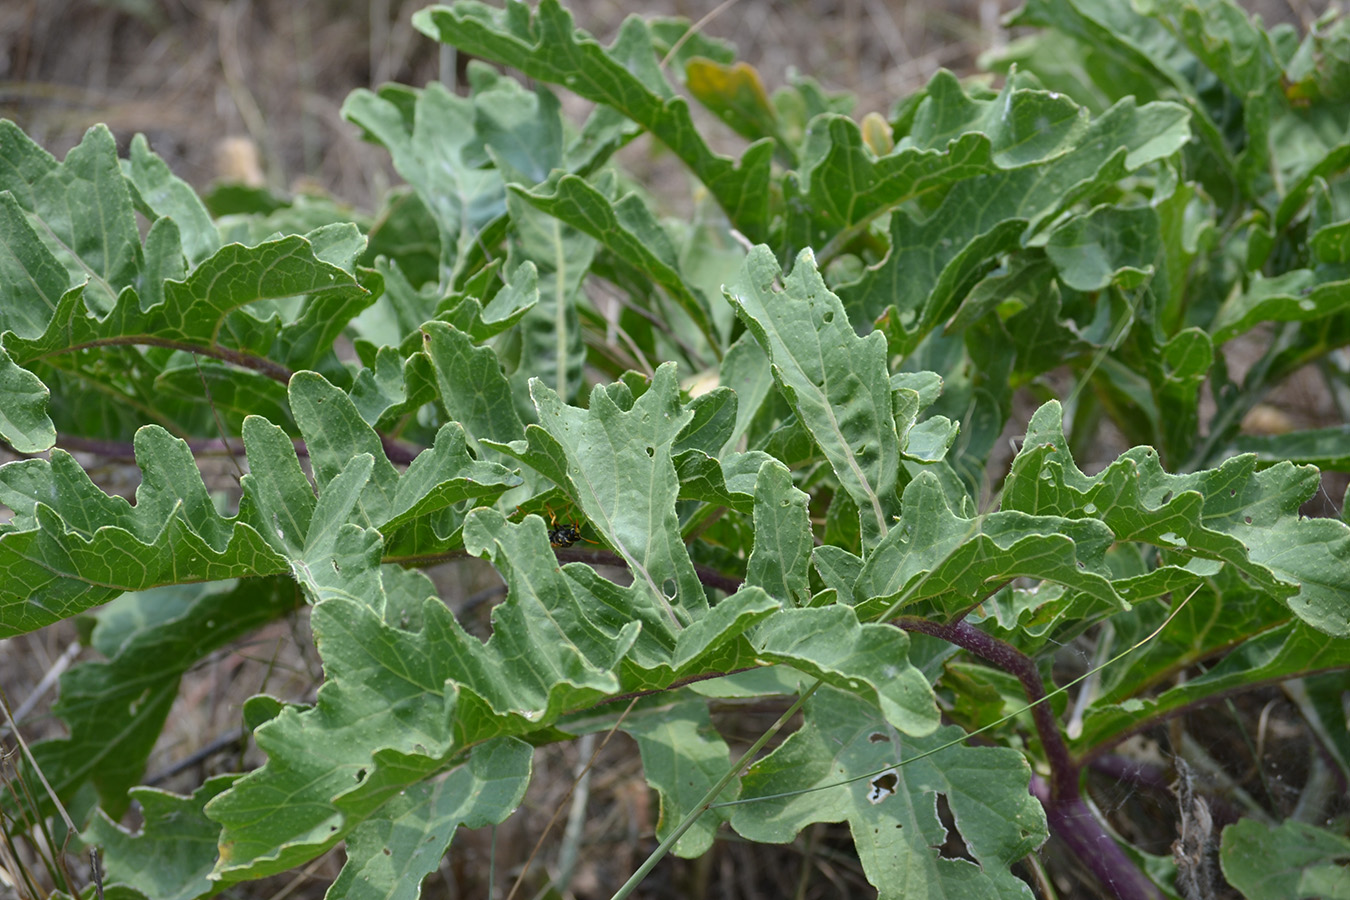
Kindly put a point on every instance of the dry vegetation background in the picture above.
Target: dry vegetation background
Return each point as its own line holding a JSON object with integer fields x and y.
{"x": 250, "y": 90}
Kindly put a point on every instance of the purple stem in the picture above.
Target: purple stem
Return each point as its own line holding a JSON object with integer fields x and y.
{"x": 1072, "y": 821}
{"x": 1133, "y": 771}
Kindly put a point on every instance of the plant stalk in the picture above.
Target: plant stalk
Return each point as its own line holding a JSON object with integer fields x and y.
{"x": 1071, "y": 819}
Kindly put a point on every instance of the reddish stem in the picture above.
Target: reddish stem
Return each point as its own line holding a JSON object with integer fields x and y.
{"x": 1072, "y": 821}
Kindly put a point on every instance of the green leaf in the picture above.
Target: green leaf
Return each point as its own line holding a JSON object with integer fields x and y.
{"x": 523, "y": 129}
{"x": 893, "y": 813}
{"x": 444, "y": 476}
{"x": 32, "y": 279}
{"x": 197, "y": 313}
{"x": 544, "y": 45}
{"x": 1289, "y": 651}
{"x": 550, "y": 344}
{"x": 430, "y": 135}
{"x": 1223, "y": 613}
{"x": 781, "y": 558}
{"x": 837, "y": 383}
{"x": 337, "y": 436}
{"x": 165, "y": 194}
{"x": 115, "y": 710}
{"x": 1233, "y": 514}
{"x": 683, "y": 756}
{"x": 390, "y": 854}
{"x": 1326, "y": 448}
{"x": 745, "y": 369}
{"x": 508, "y": 306}
{"x": 935, "y": 259}
{"x": 82, "y": 207}
{"x": 629, "y": 230}
{"x": 870, "y": 661}
{"x": 398, "y": 707}
{"x": 1289, "y": 861}
{"x": 1110, "y": 245}
{"x": 707, "y": 480}
{"x": 844, "y": 184}
{"x": 950, "y": 563}
{"x": 24, "y": 423}
{"x": 172, "y": 855}
{"x": 1296, "y": 296}
{"x": 614, "y": 463}
{"x": 472, "y": 386}
{"x": 73, "y": 547}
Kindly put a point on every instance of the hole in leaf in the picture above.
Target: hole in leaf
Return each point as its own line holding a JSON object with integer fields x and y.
{"x": 1167, "y": 496}
{"x": 386, "y": 852}
{"x": 877, "y": 737}
{"x": 828, "y": 317}
{"x": 955, "y": 846}
{"x": 1247, "y": 519}
{"x": 360, "y": 775}
{"x": 651, "y": 451}
{"x": 883, "y": 786}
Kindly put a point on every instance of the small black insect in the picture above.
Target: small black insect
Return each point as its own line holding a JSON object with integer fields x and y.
{"x": 564, "y": 535}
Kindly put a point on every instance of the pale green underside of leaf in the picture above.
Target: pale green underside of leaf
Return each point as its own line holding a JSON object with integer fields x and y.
{"x": 683, "y": 756}
{"x": 614, "y": 462}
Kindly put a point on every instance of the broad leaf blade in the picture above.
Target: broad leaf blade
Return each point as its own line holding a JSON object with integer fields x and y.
{"x": 837, "y": 383}
{"x": 544, "y": 45}
{"x": 683, "y": 756}
{"x": 173, "y": 853}
{"x": 893, "y": 814}
{"x": 1233, "y": 514}
{"x": 1290, "y": 861}
{"x": 74, "y": 547}
{"x": 389, "y": 855}
{"x": 115, "y": 710}
{"x": 614, "y": 461}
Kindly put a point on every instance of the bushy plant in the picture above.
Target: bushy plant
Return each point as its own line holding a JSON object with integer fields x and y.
{"x": 781, "y": 418}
